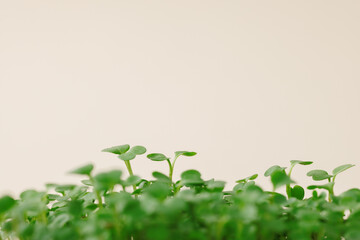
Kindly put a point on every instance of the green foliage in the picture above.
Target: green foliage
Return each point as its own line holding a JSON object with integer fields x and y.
{"x": 319, "y": 175}
{"x": 342, "y": 168}
{"x": 84, "y": 170}
{"x": 157, "y": 157}
{"x": 6, "y": 202}
{"x": 280, "y": 178}
{"x": 118, "y": 149}
{"x": 110, "y": 206}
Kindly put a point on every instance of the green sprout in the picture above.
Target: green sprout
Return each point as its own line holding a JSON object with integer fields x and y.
{"x": 101, "y": 207}
{"x": 319, "y": 175}
{"x": 161, "y": 157}
{"x": 126, "y": 154}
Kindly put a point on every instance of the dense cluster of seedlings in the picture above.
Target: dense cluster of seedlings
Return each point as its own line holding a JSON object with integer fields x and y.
{"x": 109, "y": 206}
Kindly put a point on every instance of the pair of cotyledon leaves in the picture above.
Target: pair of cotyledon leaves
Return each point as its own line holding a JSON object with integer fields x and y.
{"x": 279, "y": 178}
{"x": 126, "y": 153}
{"x": 162, "y": 157}
{"x": 319, "y": 175}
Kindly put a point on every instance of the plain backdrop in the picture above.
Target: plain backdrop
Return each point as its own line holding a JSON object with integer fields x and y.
{"x": 246, "y": 84}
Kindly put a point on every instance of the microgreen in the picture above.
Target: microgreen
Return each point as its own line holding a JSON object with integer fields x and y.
{"x": 190, "y": 208}
{"x": 319, "y": 175}
{"x": 161, "y": 157}
{"x": 126, "y": 154}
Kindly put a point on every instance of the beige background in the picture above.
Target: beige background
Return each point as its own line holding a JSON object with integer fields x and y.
{"x": 246, "y": 84}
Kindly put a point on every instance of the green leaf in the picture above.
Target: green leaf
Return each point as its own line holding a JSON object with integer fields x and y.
{"x": 342, "y": 168}
{"x": 117, "y": 149}
{"x": 127, "y": 156}
{"x": 132, "y": 180}
{"x": 272, "y": 169}
{"x": 215, "y": 186}
{"x": 298, "y": 192}
{"x": 278, "y": 198}
{"x": 294, "y": 162}
{"x": 318, "y": 174}
{"x": 53, "y": 197}
{"x": 279, "y": 178}
{"x": 6, "y": 203}
{"x": 158, "y": 190}
{"x": 106, "y": 180}
{"x": 161, "y": 177}
{"x": 138, "y": 150}
{"x": 252, "y": 177}
{"x": 184, "y": 153}
{"x": 243, "y": 186}
{"x": 84, "y": 170}
{"x": 63, "y": 188}
{"x": 75, "y": 207}
{"x": 328, "y": 186}
{"x": 191, "y": 177}
{"x": 157, "y": 157}
{"x": 87, "y": 182}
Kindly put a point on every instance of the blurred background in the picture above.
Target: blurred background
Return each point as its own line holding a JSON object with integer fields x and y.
{"x": 246, "y": 84}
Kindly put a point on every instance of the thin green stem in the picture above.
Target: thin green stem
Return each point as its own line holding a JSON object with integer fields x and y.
{"x": 128, "y": 166}
{"x": 291, "y": 168}
{"x": 98, "y": 196}
{"x": 173, "y": 163}
{"x": 171, "y": 169}
{"x": 288, "y": 187}
{"x": 331, "y": 192}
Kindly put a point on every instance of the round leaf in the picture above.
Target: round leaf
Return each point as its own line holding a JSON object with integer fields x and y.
{"x": 117, "y": 149}
{"x": 216, "y": 186}
{"x": 138, "y": 150}
{"x": 157, "y": 157}
{"x": 298, "y": 192}
{"x": 127, "y": 156}
{"x": 191, "y": 177}
{"x": 106, "y": 180}
{"x": 6, "y": 202}
{"x": 158, "y": 190}
{"x": 161, "y": 177}
{"x": 318, "y": 174}
{"x": 132, "y": 180}
{"x": 272, "y": 169}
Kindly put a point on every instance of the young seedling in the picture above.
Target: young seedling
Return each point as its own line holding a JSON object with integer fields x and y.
{"x": 297, "y": 191}
{"x": 190, "y": 208}
{"x": 245, "y": 182}
{"x": 86, "y": 170}
{"x": 278, "y": 176}
{"x": 161, "y": 157}
{"x": 319, "y": 175}
{"x": 126, "y": 154}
